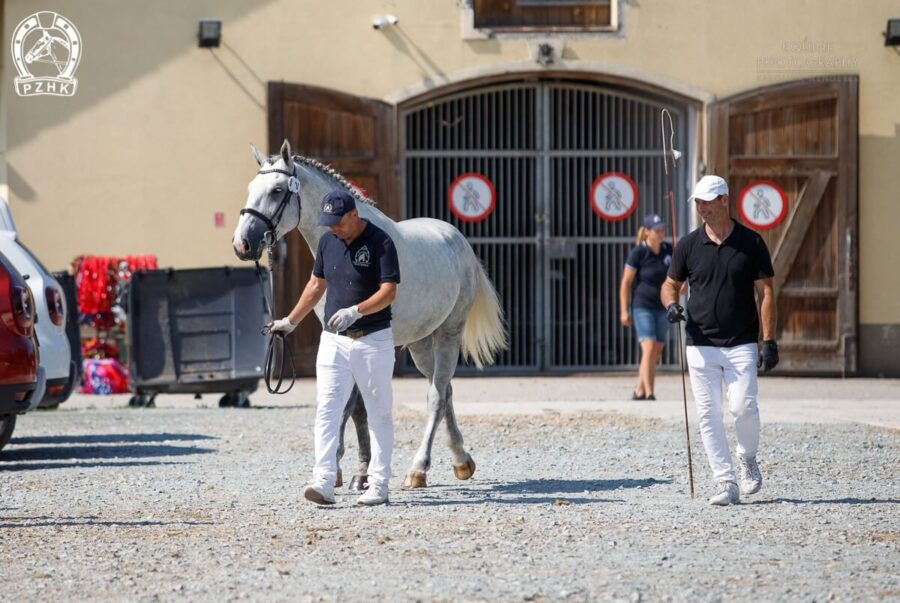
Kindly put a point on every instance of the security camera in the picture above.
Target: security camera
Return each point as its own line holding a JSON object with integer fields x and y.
{"x": 544, "y": 54}
{"x": 383, "y": 21}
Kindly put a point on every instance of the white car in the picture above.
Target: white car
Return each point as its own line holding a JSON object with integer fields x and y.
{"x": 50, "y": 313}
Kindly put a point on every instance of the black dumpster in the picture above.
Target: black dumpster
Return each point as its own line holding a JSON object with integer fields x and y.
{"x": 196, "y": 331}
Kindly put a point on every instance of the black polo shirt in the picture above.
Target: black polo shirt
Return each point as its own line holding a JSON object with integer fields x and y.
{"x": 354, "y": 273}
{"x": 650, "y": 273}
{"x": 721, "y": 310}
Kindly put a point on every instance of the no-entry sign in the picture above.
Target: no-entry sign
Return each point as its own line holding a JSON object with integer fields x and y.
{"x": 763, "y": 204}
{"x": 471, "y": 197}
{"x": 614, "y": 196}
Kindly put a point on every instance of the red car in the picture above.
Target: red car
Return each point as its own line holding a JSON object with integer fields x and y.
{"x": 20, "y": 378}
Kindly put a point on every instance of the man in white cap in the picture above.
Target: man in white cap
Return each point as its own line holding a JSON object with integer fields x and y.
{"x": 724, "y": 262}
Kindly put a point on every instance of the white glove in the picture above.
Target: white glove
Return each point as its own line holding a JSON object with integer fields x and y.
{"x": 343, "y": 318}
{"x": 282, "y": 325}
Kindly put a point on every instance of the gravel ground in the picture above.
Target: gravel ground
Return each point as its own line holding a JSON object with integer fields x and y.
{"x": 205, "y": 504}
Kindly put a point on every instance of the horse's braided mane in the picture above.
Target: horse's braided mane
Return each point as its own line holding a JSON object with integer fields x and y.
{"x": 329, "y": 171}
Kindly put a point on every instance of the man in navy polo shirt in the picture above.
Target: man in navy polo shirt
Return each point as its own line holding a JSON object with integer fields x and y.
{"x": 724, "y": 262}
{"x": 357, "y": 263}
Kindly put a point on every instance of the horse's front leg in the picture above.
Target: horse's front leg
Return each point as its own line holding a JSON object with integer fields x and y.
{"x": 361, "y": 422}
{"x": 357, "y": 410}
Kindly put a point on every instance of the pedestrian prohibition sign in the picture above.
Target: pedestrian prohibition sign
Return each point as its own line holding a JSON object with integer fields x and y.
{"x": 614, "y": 196}
{"x": 471, "y": 197}
{"x": 763, "y": 204}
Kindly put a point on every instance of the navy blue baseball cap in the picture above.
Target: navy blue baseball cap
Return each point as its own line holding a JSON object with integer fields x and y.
{"x": 652, "y": 221}
{"x": 334, "y": 205}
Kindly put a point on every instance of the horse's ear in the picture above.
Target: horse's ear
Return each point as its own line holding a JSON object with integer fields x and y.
{"x": 286, "y": 152}
{"x": 260, "y": 159}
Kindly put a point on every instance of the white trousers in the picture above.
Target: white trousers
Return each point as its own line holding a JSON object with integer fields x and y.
{"x": 735, "y": 368}
{"x": 368, "y": 362}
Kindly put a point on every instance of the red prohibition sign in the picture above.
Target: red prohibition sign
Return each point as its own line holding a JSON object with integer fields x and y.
{"x": 466, "y": 197}
{"x": 763, "y": 204}
{"x": 609, "y": 196}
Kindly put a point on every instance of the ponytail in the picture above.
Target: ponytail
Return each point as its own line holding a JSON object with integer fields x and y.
{"x": 641, "y": 235}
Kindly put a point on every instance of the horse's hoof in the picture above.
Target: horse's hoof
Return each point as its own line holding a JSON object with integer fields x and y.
{"x": 414, "y": 479}
{"x": 464, "y": 471}
{"x": 339, "y": 479}
{"x": 359, "y": 482}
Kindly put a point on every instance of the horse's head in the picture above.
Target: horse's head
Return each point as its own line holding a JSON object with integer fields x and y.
{"x": 273, "y": 204}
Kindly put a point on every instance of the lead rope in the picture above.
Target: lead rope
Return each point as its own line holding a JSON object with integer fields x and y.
{"x": 671, "y": 198}
{"x": 278, "y": 342}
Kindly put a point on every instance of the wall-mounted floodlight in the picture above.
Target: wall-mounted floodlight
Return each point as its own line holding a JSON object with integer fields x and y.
{"x": 892, "y": 33}
{"x": 209, "y": 33}
{"x": 382, "y": 21}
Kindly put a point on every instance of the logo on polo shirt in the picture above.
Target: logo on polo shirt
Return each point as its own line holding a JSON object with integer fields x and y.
{"x": 667, "y": 260}
{"x": 363, "y": 257}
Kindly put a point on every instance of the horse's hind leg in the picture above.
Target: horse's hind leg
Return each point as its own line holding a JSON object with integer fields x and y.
{"x": 463, "y": 465}
{"x": 357, "y": 410}
{"x": 437, "y": 360}
{"x": 422, "y": 353}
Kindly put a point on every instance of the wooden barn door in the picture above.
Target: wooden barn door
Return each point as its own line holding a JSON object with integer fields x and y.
{"x": 355, "y": 136}
{"x": 803, "y": 136}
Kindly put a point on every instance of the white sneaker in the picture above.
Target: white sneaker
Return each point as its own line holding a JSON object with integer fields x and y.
{"x": 750, "y": 477}
{"x": 321, "y": 493}
{"x": 726, "y": 494}
{"x": 375, "y": 495}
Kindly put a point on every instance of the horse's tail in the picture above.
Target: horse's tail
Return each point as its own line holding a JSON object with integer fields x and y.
{"x": 484, "y": 334}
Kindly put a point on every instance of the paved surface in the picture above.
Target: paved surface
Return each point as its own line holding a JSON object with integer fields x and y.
{"x": 579, "y": 495}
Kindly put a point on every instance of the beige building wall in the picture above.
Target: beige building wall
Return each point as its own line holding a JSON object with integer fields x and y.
{"x": 155, "y": 141}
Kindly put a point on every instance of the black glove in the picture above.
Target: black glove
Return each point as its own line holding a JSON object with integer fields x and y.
{"x": 674, "y": 312}
{"x": 769, "y": 357}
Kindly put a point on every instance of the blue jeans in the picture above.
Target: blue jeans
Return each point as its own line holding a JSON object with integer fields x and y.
{"x": 650, "y": 324}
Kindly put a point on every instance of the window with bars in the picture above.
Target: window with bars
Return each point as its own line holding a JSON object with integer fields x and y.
{"x": 543, "y": 15}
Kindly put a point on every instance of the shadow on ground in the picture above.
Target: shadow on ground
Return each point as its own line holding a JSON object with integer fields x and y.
{"x": 568, "y": 486}
{"x": 112, "y": 438}
{"x": 828, "y": 501}
{"x": 45, "y": 521}
{"x": 137, "y": 451}
{"x": 38, "y": 466}
{"x": 429, "y": 501}
{"x": 554, "y": 491}
{"x": 285, "y": 407}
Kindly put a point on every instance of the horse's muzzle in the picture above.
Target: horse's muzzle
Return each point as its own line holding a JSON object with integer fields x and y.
{"x": 245, "y": 251}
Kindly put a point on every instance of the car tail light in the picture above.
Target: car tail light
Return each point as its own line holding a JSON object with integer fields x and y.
{"x": 56, "y": 306}
{"x": 56, "y": 390}
{"x": 23, "y": 308}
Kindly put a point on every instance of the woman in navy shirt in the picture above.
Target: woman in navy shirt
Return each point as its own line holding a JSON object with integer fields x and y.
{"x": 645, "y": 272}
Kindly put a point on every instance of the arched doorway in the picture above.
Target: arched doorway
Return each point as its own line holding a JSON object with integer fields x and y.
{"x": 555, "y": 262}
{"x": 542, "y": 137}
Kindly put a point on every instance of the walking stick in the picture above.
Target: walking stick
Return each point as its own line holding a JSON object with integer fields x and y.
{"x": 670, "y": 195}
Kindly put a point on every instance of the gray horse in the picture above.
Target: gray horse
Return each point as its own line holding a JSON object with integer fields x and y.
{"x": 445, "y": 303}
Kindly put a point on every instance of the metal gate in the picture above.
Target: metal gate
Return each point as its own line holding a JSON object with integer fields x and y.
{"x": 555, "y": 264}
